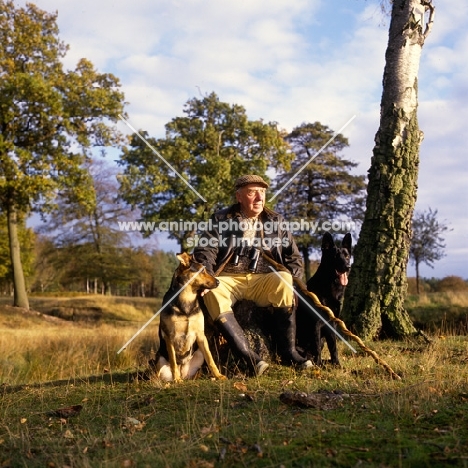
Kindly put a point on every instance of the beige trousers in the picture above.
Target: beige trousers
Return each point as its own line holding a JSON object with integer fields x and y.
{"x": 265, "y": 289}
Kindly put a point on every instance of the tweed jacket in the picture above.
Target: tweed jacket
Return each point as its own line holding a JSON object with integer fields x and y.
{"x": 217, "y": 243}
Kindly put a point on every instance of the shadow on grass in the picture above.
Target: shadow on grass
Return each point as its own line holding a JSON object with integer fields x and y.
{"x": 108, "y": 379}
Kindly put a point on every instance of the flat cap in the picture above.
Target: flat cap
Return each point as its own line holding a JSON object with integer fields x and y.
{"x": 250, "y": 179}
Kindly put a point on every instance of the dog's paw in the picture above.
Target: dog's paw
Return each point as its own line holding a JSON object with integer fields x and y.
{"x": 221, "y": 377}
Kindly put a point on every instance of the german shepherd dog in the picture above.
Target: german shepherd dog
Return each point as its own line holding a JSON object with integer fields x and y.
{"x": 182, "y": 342}
{"x": 328, "y": 284}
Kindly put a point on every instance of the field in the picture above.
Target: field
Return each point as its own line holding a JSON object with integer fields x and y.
{"x": 69, "y": 400}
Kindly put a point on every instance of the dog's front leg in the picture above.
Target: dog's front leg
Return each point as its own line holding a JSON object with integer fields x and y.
{"x": 203, "y": 345}
{"x": 173, "y": 361}
{"x": 316, "y": 343}
{"x": 332, "y": 346}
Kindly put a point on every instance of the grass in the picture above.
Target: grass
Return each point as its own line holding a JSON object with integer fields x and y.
{"x": 445, "y": 313}
{"x": 373, "y": 422}
{"x": 36, "y": 347}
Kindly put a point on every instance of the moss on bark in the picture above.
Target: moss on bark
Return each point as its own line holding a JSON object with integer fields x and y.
{"x": 374, "y": 301}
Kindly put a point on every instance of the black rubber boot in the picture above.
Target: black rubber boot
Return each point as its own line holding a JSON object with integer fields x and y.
{"x": 284, "y": 319}
{"x": 234, "y": 335}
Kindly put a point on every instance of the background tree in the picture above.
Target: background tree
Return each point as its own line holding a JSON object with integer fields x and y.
{"x": 49, "y": 120}
{"x": 325, "y": 190}
{"x": 451, "y": 283}
{"x": 212, "y": 145}
{"x": 46, "y": 274}
{"x": 164, "y": 265}
{"x": 27, "y": 239}
{"x": 90, "y": 232}
{"x": 374, "y": 298}
{"x": 427, "y": 244}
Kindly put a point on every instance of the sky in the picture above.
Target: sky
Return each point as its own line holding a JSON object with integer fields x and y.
{"x": 289, "y": 62}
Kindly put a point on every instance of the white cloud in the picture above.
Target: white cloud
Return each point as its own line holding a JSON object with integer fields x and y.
{"x": 290, "y": 62}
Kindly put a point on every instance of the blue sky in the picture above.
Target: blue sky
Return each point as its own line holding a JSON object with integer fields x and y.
{"x": 289, "y": 62}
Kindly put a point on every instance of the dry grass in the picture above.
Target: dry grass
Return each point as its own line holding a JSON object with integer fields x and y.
{"x": 443, "y": 313}
{"x": 421, "y": 420}
{"x": 440, "y": 299}
{"x": 35, "y": 347}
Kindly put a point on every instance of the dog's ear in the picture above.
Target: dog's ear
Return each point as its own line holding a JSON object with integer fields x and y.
{"x": 184, "y": 258}
{"x": 346, "y": 242}
{"x": 327, "y": 241}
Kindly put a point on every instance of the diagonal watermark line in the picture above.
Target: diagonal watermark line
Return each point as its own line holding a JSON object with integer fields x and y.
{"x": 314, "y": 311}
{"x": 158, "y": 154}
{"x": 312, "y": 158}
{"x": 159, "y": 311}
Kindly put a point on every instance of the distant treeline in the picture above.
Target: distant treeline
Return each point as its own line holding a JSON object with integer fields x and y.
{"x": 430, "y": 285}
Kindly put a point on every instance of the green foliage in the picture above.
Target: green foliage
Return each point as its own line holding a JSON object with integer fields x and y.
{"x": 120, "y": 270}
{"x": 212, "y": 145}
{"x": 49, "y": 118}
{"x": 164, "y": 265}
{"x": 89, "y": 234}
{"x": 325, "y": 190}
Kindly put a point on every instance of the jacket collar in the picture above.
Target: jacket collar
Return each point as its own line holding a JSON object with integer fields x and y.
{"x": 234, "y": 212}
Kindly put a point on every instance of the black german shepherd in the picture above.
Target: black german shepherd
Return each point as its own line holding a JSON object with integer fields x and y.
{"x": 328, "y": 284}
{"x": 182, "y": 342}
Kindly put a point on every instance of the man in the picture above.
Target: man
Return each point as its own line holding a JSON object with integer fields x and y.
{"x": 231, "y": 249}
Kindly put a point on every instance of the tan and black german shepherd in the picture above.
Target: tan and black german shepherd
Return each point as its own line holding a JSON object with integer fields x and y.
{"x": 182, "y": 342}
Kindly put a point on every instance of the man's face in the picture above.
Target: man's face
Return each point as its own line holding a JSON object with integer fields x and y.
{"x": 252, "y": 199}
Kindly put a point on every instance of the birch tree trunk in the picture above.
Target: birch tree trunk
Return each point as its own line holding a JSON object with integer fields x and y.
{"x": 374, "y": 299}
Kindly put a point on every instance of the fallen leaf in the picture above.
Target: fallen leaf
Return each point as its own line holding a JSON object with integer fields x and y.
{"x": 204, "y": 448}
{"x": 134, "y": 424}
{"x": 240, "y": 386}
{"x": 204, "y": 431}
{"x": 67, "y": 412}
{"x": 200, "y": 464}
{"x": 23, "y": 420}
{"x": 68, "y": 434}
{"x": 258, "y": 449}
{"x": 133, "y": 421}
